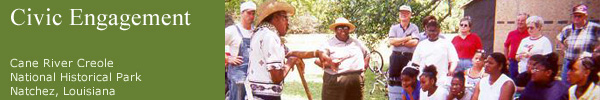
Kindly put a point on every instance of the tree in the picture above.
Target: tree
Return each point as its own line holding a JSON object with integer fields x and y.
{"x": 373, "y": 18}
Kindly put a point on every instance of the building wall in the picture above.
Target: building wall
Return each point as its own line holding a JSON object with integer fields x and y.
{"x": 556, "y": 14}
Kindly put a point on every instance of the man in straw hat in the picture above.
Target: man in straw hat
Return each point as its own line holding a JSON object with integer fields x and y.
{"x": 581, "y": 36}
{"x": 267, "y": 53}
{"x": 237, "y": 38}
{"x": 343, "y": 59}
{"x": 403, "y": 37}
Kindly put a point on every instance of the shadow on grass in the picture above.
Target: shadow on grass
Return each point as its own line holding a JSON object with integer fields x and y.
{"x": 295, "y": 91}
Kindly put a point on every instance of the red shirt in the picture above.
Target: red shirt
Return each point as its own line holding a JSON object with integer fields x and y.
{"x": 513, "y": 40}
{"x": 466, "y": 48}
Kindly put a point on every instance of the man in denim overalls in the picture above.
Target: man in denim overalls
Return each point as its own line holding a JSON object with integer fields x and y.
{"x": 237, "y": 37}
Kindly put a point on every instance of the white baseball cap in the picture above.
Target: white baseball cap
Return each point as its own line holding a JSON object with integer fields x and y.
{"x": 405, "y": 8}
{"x": 249, "y": 5}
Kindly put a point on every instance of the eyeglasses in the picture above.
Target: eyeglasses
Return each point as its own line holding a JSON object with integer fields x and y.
{"x": 535, "y": 69}
{"x": 530, "y": 28}
{"x": 578, "y": 16}
{"x": 464, "y": 25}
{"x": 342, "y": 28}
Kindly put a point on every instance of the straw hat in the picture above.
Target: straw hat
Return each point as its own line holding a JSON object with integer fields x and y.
{"x": 270, "y": 7}
{"x": 342, "y": 21}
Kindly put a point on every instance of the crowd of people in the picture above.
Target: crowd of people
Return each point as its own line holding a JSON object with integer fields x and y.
{"x": 423, "y": 64}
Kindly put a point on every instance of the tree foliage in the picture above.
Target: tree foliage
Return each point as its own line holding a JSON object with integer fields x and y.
{"x": 373, "y": 18}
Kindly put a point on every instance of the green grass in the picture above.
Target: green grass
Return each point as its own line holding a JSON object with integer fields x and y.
{"x": 296, "y": 88}
{"x": 369, "y": 80}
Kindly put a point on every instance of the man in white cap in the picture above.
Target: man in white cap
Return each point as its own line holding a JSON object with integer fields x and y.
{"x": 237, "y": 38}
{"x": 403, "y": 37}
{"x": 581, "y": 36}
{"x": 268, "y": 65}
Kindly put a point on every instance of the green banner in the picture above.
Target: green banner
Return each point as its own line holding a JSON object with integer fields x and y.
{"x": 111, "y": 49}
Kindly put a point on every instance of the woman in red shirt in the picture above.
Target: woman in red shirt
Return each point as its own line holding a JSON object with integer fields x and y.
{"x": 466, "y": 44}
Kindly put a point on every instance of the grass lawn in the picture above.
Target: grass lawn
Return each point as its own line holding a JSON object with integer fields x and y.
{"x": 295, "y": 91}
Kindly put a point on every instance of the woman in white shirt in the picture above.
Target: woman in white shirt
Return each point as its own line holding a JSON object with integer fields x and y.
{"x": 536, "y": 43}
{"x": 582, "y": 74}
{"x": 429, "y": 89}
{"x": 496, "y": 86}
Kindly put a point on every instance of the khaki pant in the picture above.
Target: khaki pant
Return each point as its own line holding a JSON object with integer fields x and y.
{"x": 347, "y": 86}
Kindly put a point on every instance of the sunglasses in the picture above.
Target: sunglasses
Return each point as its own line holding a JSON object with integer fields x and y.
{"x": 464, "y": 25}
{"x": 342, "y": 28}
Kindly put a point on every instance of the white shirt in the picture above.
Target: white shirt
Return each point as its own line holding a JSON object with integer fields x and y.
{"x": 266, "y": 53}
{"x": 438, "y": 53}
{"x": 540, "y": 46}
{"x": 591, "y": 93}
{"x": 467, "y": 96}
{"x": 350, "y": 53}
{"x": 489, "y": 91}
{"x": 439, "y": 94}
{"x": 233, "y": 38}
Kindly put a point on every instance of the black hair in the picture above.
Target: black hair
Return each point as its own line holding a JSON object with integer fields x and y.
{"x": 410, "y": 72}
{"x": 500, "y": 59}
{"x": 549, "y": 61}
{"x": 267, "y": 19}
{"x": 460, "y": 75}
{"x": 432, "y": 24}
{"x": 536, "y": 57}
{"x": 427, "y": 19}
{"x": 430, "y": 71}
{"x": 590, "y": 63}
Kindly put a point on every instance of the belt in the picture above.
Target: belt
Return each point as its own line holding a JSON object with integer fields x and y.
{"x": 401, "y": 53}
{"x": 394, "y": 81}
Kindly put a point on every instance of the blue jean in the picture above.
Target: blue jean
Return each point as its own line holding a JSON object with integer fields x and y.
{"x": 463, "y": 64}
{"x": 513, "y": 68}
{"x": 395, "y": 92}
{"x": 237, "y": 75}
{"x": 565, "y": 69}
